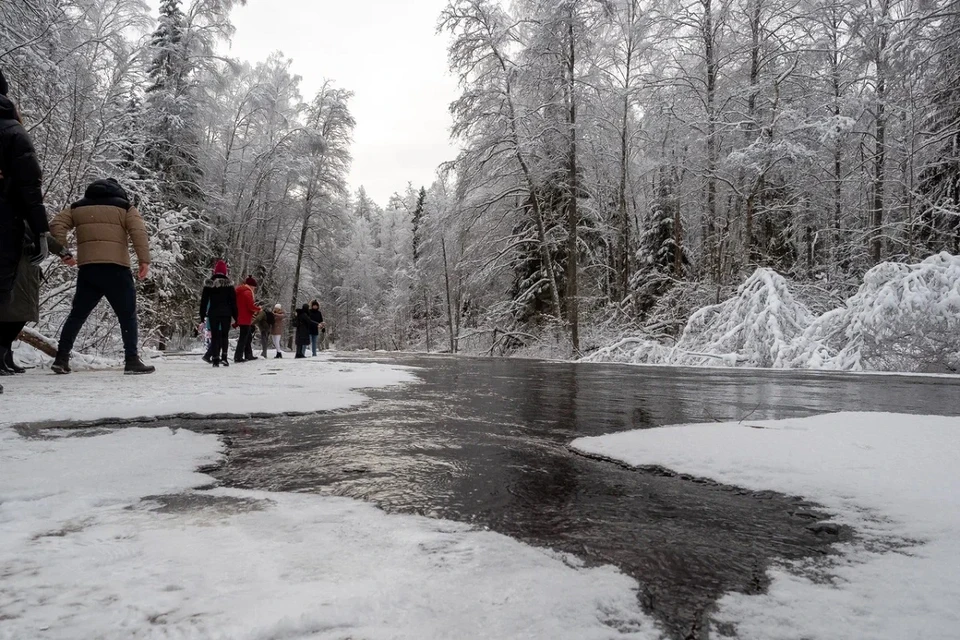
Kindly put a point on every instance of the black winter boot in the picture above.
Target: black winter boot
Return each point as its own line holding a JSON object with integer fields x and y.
{"x": 61, "y": 364}
{"x": 10, "y": 364}
{"x": 134, "y": 366}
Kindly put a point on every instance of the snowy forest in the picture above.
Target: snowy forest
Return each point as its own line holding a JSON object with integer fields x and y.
{"x": 625, "y": 167}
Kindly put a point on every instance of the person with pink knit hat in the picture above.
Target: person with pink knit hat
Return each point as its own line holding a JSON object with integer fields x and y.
{"x": 219, "y": 304}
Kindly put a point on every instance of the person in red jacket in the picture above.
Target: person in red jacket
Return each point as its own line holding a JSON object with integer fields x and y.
{"x": 246, "y": 309}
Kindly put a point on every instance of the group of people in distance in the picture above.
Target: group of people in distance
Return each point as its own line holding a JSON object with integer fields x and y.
{"x": 224, "y": 306}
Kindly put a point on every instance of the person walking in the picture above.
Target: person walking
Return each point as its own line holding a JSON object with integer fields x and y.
{"x": 246, "y": 309}
{"x": 24, "y": 231}
{"x": 276, "y": 331}
{"x": 105, "y": 223}
{"x": 316, "y": 325}
{"x": 218, "y": 304}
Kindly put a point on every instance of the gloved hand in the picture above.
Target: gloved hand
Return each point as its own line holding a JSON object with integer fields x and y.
{"x": 39, "y": 251}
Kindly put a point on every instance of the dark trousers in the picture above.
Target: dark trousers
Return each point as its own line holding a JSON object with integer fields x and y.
{"x": 219, "y": 337}
{"x": 9, "y": 332}
{"x": 244, "y": 344}
{"x": 94, "y": 283}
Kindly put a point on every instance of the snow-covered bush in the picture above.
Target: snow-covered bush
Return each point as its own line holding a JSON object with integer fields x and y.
{"x": 903, "y": 318}
{"x": 756, "y": 327}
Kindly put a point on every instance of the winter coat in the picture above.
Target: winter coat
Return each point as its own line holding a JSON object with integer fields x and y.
{"x": 278, "y": 318}
{"x": 246, "y": 307}
{"x": 25, "y": 305}
{"x": 303, "y": 327}
{"x": 21, "y": 194}
{"x": 219, "y": 299}
{"x": 105, "y": 224}
{"x": 316, "y": 317}
{"x": 21, "y": 189}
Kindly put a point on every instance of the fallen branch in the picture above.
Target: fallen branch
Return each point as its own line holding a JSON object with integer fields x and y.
{"x": 38, "y": 341}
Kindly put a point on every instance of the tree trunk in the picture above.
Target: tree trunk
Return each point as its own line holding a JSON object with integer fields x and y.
{"x": 711, "y": 244}
{"x": 573, "y": 217}
{"x": 446, "y": 277}
{"x": 296, "y": 273}
{"x": 880, "y": 150}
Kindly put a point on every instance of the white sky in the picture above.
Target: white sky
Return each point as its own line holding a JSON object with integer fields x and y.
{"x": 388, "y": 53}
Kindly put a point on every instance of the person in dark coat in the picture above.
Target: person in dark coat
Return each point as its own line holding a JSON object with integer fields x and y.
{"x": 21, "y": 196}
{"x": 316, "y": 325}
{"x": 219, "y": 303}
{"x": 24, "y": 231}
{"x": 303, "y": 330}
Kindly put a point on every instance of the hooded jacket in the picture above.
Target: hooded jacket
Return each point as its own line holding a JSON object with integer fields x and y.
{"x": 21, "y": 188}
{"x": 219, "y": 299}
{"x": 303, "y": 326}
{"x": 246, "y": 307}
{"x": 316, "y": 317}
{"x": 105, "y": 223}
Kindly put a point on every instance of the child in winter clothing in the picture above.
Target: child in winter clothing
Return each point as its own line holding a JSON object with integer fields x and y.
{"x": 218, "y": 303}
{"x": 276, "y": 331}
{"x": 263, "y": 321}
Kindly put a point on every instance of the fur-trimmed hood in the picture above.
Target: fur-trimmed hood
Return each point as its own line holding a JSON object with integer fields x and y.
{"x": 219, "y": 281}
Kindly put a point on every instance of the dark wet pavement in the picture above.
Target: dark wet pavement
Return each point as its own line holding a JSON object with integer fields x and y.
{"x": 485, "y": 441}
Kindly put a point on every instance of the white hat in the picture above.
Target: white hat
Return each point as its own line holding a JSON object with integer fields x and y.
{"x": 277, "y": 307}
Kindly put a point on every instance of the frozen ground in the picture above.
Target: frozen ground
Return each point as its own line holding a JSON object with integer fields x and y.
{"x": 183, "y": 385}
{"x": 893, "y": 477}
{"x": 110, "y": 535}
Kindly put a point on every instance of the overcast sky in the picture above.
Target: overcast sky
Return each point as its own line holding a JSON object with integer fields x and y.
{"x": 388, "y": 53}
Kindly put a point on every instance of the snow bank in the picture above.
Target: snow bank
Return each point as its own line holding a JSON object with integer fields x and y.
{"x": 905, "y": 317}
{"x": 83, "y": 556}
{"x": 894, "y": 478}
{"x": 192, "y": 386}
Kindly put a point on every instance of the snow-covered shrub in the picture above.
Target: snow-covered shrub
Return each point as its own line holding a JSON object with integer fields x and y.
{"x": 903, "y": 318}
{"x": 756, "y": 327}
{"x": 631, "y": 350}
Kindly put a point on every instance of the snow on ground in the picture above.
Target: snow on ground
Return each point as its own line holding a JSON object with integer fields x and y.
{"x": 895, "y": 478}
{"x": 90, "y": 548}
{"x": 183, "y": 385}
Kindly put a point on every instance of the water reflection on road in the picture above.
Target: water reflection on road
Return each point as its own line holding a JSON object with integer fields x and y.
{"x": 485, "y": 441}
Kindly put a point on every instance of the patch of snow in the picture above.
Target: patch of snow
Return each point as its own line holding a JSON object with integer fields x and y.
{"x": 895, "y": 478}
{"x": 93, "y": 545}
{"x": 192, "y": 386}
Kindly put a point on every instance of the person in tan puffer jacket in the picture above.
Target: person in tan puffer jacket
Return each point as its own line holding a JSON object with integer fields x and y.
{"x": 105, "y": 223}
